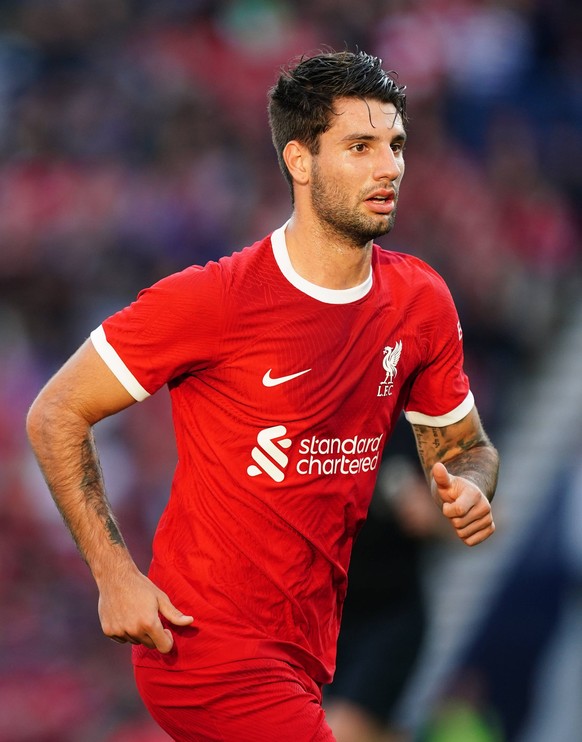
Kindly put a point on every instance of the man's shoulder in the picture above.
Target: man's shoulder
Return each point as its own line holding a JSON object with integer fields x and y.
{"x": 402, "y": 260}
{"x": 222, "y": 271}
{"x": 245, "y": 257}
{"x": 406, "y": 268}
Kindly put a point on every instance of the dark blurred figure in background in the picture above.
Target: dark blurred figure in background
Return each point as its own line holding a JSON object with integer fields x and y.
{"x": 385, "y": 614}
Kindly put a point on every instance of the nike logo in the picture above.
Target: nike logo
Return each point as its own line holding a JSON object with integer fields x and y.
{"x": 268, "y": 380}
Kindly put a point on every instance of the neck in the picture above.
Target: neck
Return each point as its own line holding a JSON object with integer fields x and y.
{"x": 324, "y": 258}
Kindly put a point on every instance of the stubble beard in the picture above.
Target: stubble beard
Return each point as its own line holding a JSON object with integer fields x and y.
{"x": 329, "y": 204}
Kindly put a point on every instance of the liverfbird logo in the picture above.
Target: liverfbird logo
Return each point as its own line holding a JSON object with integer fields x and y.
{"x": 389, "y": 362}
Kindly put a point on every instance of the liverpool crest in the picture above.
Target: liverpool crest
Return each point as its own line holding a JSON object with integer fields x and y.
{"x": 389, "y": 363}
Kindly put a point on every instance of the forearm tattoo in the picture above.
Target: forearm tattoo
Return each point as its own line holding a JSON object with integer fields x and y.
{"x": 480, "y": 464}
{"x": 466, "y": 454}
{"x": 93, "y": 489}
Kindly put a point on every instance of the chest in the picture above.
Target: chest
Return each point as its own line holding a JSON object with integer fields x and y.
{"x": 324, "y": 365}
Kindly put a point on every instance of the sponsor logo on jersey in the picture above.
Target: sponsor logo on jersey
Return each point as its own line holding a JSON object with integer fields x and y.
{"x": 268, "y": 453}
{"x": 319, "y": 456}
{"x": 389, "y": 363}
{"x": 339, "y": 455}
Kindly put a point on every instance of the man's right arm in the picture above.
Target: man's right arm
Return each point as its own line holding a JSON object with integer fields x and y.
{"x": 60, "y": 429}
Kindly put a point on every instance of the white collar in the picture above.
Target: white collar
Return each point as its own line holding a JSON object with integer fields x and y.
{"x": 328, "y": 296}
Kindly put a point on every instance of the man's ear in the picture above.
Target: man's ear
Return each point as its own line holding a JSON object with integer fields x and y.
{"x": 298, "y": 160}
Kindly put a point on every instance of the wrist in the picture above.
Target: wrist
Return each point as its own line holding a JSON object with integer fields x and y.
{"x": 117, "y": 565}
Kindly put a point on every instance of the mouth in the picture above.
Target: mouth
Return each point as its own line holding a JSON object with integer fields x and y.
{"x": 382, "y": 201}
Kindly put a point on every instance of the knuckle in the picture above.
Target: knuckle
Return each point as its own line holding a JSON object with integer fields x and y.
{"x": 108, "y": 628}
{"x": 148, "y": 626}
{"x": 112, "y": 633}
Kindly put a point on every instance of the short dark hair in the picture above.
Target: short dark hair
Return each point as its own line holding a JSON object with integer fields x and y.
{"x": 301, "y": 103}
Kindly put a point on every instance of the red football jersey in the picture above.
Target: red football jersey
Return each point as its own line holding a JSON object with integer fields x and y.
{"x": 283, "y": 394}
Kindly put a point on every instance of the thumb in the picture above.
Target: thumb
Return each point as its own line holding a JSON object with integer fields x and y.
{"x": 442, "y": 479}
{"x": 173, "y": 615}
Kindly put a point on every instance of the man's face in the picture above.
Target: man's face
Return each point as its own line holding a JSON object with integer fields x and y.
{"x": 356, "y": 175}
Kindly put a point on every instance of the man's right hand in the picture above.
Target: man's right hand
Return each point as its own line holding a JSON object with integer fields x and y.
{"x": 130, "y": 606}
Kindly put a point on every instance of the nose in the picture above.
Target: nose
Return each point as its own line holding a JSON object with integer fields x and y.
{"x": 389, "y": 165}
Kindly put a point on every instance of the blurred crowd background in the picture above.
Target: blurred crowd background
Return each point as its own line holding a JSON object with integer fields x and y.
{"x": 134, "y": 142}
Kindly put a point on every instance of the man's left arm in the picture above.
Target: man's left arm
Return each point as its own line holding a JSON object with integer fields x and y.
{"x": 461, "y": 466}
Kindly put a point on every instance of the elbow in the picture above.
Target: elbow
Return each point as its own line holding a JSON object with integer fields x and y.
{"x": 46, "y": 417}
{"x": 37, "y": 421}
{"x": 52, "y": 417}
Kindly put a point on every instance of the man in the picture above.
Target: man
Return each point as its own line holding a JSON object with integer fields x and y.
{"x": 288, "y": 364}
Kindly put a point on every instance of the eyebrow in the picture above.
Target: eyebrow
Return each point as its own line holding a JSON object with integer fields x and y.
{"x": 401, "y": 137}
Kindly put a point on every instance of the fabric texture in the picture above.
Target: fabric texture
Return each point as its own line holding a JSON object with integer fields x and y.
{"x": 283, "y": 397}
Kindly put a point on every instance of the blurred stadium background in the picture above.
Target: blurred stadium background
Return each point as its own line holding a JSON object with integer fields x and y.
{"x": 133, "y": 142}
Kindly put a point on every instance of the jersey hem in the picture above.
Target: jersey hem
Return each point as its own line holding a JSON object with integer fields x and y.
{"x": 229, "y": 651}
{"x": 117, "y": 366}
{"x": 440, "y": 421}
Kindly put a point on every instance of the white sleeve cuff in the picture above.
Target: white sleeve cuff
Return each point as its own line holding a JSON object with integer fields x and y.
{"x": 440, "y": 421}
{"x": 117, "y": 366}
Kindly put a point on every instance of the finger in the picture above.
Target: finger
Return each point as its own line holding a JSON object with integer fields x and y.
{"x": 124, "y": 639}
{"x": 130, "y": 638}
{"x": 484, "y": 525}
{"x": 480, "y": 535}
{"x": 466, "y": 509}
{"x": 161, "y": 637}
{"x": 170, "y": 612}
{"x": 470, "y": 529}
{"x": 441, "y": 476}
{"x": 161, "y": 640}
{"x": 457, "y": 511}
{"x": 443, "y": 483}
{"x": 152, "y": 634}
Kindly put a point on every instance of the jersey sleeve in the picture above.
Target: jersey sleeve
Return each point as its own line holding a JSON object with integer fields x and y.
{"x": 440, "y": 394}
{"x": 170, "y": 330}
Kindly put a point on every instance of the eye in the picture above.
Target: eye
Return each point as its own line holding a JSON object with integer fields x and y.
{"x": 397, "y": 147}
{"x": 359, "y": 147}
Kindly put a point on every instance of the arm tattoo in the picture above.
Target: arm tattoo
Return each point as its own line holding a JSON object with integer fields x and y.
{"x": 465, "y": 449}
{"x": 94, "y": 491}
{"x": 480, "y": 464}
{"x": 420, "y": 447}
